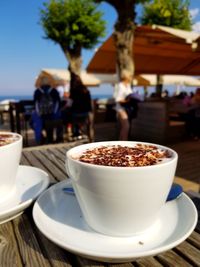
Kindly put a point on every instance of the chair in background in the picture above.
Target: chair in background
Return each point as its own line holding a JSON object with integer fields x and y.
{"x": 20, "y": 115}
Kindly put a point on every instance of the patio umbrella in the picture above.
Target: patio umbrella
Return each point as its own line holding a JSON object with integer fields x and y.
{"x": 112, "y": 79}
{"x": 183, "y": 80}
{"x": 151, "y": 79}
{"x": 157, "y": 50}
{"x": 56, "y": 76}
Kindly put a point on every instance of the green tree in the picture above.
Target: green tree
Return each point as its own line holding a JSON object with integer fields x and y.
{"x": 73, "y": 24}
{"x": 124, "y": 32}
{"x": 172, "y": 13}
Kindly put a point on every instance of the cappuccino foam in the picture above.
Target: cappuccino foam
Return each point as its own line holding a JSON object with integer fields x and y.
{"x": 125, "y": 156}
{"x": 6, "y": 139}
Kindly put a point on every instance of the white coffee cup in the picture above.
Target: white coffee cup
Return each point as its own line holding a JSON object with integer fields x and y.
{"x": 120, "y": 201}
{"x": 9, "y": 161}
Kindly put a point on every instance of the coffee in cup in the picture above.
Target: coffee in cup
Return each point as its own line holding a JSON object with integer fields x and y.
{"x": 10, "y": 153}
{"x": 120, "y": 185}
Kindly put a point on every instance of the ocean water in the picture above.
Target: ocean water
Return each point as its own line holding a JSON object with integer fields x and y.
{"x": 105, "y": 92}
{"x": 15, "y": 97}
{"x": 30, "y": 97}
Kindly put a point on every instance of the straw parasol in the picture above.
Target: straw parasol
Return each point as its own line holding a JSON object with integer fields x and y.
{"x": 57, "y": 76}
{"x": 183, "y": 80}
{"x": 113, "y": 78}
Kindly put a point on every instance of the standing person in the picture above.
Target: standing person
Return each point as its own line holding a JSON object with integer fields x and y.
{"x": 81, "y": 108}
{"x": 63, "y": 88}
{"x": 121, "y": 93}
{"x": 195, "y": 111}
{"x": 66, "y": 112}
{"x": 47, "y": 112}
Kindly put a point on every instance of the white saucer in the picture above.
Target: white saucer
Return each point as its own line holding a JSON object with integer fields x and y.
{"x": 30, "y": 183}
{"x": 59, "y": 218}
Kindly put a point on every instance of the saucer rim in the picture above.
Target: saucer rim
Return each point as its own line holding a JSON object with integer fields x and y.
{"x": 10, "y": 218}
{"x": 21, "y": 206}
{"x": 108, "y": 256}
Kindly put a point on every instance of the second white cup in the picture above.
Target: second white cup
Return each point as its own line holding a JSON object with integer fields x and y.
{"x": 10, "y": 153}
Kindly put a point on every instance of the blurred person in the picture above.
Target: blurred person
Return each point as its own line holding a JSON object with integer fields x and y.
{"x": 66, "y": 113}
{"x": 187, "y": 100}
{"x": 154, "y": 96}
{"x": 191, "y": 95}
{"x": 121, "y": 93}
{"x": 181, "y": 95}
{"x": 196, "y": 97}
{"x": 165, "y": 94}
{"x": 82, "y": 114}
{"x": 63, "y": 88}
{"x": 47, "y": 113}
{"x": 195, "y": 114}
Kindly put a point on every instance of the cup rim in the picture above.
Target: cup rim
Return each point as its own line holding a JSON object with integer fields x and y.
{"x": 12, "y": 143}
{"x": 89, "y": 165}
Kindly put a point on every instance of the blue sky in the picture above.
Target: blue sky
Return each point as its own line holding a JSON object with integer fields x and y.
{"x": 24, "y": 51}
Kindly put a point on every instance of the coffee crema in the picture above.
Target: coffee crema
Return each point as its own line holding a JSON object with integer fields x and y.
{"x": 125, "y": 156}
{"x": 6, "y": 139}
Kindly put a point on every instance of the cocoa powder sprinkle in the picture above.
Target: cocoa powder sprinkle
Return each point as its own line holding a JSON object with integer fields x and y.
{"x": 125, "y": 156}
{"x": 6, "y": 139}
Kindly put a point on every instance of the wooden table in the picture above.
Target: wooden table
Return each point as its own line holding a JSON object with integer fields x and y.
{"x": 22, "y": 244}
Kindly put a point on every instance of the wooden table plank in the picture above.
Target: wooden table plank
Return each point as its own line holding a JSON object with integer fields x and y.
{"x": 57, "y": 154}
{"x": 194, "y": 239}
{"x": 189, "y": 252}
{"x": 57, "y": 256}
{"x": 148, "y": 262}
{"x": 63, "y": 150}
{"x": 9, "y": 253}
{"x": 126, "y": 264}
{"x": 171, "y": 258}
{"x": 187, "y": 185}
{"x": 83, "y": 262}
{"x": 29, "y": 248}
{"x": 24, "y": 161}
{"x": 49, "y": 165}
{"x": 36, "y": 163}
{"x": 58, "y": 165}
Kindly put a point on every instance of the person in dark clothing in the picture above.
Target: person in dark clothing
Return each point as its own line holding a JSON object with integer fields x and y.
{"x": 81, "y": 107}
{"x": 194, "y": 113}
{"x": 47, "y": 113}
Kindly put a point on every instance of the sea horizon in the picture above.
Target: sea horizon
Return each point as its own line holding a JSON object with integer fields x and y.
{"x": 30, "y": 97}
{"x": 97, "y": 95}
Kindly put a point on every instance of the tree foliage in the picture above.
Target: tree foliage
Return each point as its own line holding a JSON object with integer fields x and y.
{"x": 172, "y": 13}
{"x": 73, "y": 24}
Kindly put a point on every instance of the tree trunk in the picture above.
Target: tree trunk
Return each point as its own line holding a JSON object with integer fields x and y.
{"x": 74, "y": 58}
{"x": 123, "y": 43}
{"x": 124, "y": 34}
{"x": 145, "y": 92}
{"x": 159, "y": 85}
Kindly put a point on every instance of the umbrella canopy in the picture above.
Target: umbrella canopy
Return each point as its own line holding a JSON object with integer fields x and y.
{"x": 157, "y": 50}
{"x": 172, "y": 80}
{"x": 56, "y": 76}
{"x": 112, "y": 78}
{"x": 151, "y": 79}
